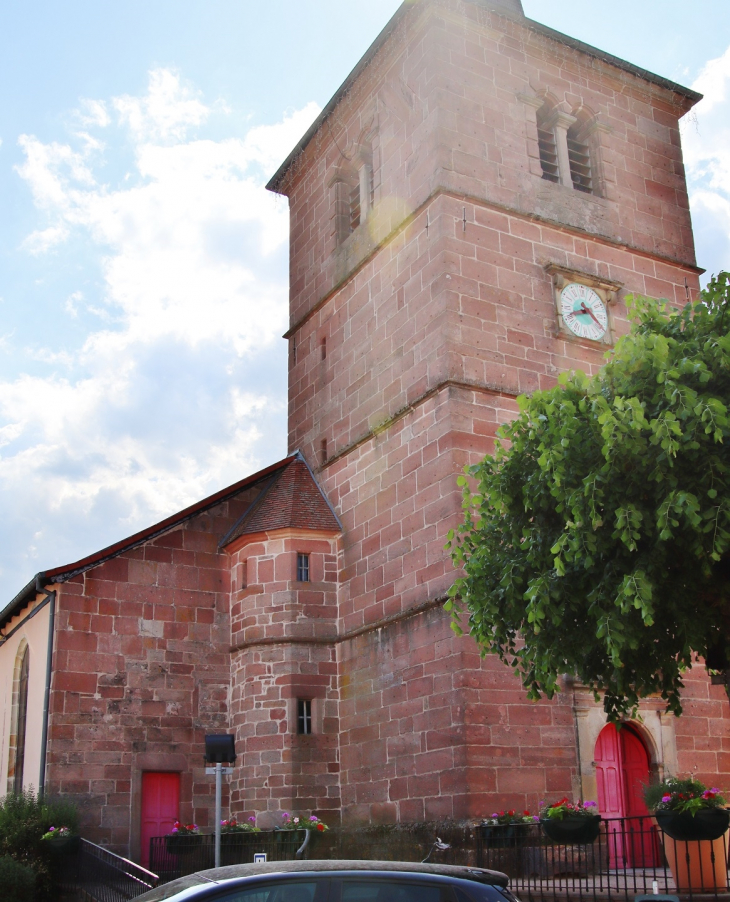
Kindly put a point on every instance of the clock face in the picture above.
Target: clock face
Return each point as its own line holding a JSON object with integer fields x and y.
{"x": 583, "y": 311}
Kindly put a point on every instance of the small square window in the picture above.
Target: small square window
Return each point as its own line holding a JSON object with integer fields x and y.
{"x": 304, "y": 716}
{"x": 302, "y": 568}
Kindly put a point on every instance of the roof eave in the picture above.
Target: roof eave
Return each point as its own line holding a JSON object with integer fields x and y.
{"x": 275, "y": 181}
{"x": 21, "y": 600}
{"x": 67, "y": 571}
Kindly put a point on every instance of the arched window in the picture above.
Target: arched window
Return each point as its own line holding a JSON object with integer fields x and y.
{"x": 546, "y": 143}
{"x": 579, "y": 155}
{"x": 16, "y": 760}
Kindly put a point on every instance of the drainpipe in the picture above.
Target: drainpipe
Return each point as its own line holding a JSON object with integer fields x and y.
{"x": 41, "y": 589}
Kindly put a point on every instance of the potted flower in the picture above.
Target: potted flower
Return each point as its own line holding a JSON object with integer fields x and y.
{"x": 692, "y": 825}
{"x": 506, "y": 829}
{"x": 569, "y": 823}
{"x": 183, "y": 839}
{"x": 686, "y": 809}
{"x": 235, "y": 838}
{"x": 60, "y": 839}
{"x": 293, "y": 830}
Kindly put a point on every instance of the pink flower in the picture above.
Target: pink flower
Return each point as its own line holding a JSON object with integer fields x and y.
{"x": 252, "y": 819}
{"x": 666, "y": 800}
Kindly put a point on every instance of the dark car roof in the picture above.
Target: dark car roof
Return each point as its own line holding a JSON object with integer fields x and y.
{"x": 215, "y": 875}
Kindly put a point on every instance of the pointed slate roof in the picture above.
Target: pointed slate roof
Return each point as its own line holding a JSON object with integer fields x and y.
{"x": 291, "y": 499}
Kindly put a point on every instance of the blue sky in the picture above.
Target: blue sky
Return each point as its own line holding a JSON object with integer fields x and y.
{"x": 143, "y": 267}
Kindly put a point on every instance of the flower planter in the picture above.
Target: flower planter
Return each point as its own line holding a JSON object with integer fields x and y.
{"x": 572, "y": 830}
{"x": 289, "y": 841}
{"x": 64, "y": 845}
{"x": 504, "y": 836}
{"x": 707, "y": 824}
{"x": 183, "y": 845}
{"x": 238, "y": 848}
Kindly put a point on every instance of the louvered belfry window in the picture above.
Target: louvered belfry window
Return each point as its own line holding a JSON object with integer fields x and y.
{"x": 580, "y": 160}
{"x": 355, "y": 207}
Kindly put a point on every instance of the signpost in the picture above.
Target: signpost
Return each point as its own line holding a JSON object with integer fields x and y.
{"x": 219, "y": 750}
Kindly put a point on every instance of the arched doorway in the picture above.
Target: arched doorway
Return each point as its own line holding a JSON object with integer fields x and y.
{"x": 622, "y": 768}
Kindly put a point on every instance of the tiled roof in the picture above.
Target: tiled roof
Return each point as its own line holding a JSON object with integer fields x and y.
{"x": 289, "y": 496}
{"x": 292, "y": 499}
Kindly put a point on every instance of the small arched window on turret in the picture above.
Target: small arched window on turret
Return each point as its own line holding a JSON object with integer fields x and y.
{"x": 579, "y": 155}
{"x": 546, "y": 143}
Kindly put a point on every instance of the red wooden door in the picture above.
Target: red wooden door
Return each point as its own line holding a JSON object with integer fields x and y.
{"x": 622, "y": 768}
{"x": 160, "y": 808}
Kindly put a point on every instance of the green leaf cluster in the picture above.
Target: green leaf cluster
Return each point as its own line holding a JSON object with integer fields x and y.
{"x": 596, "y": 541}
{"x": 24, "y": 818}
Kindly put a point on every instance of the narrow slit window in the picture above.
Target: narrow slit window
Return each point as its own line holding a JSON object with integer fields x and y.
{"x": 294, "y": 349}
{"x": 323, "y": 347}
{"x": 302, "y": 568}
{"x": 21, "y": 723}
{"x": 323, "y": 450}
{"x": 580, "y": 160}
{"x": 546, "y": 146}
{"x": 304, "y": 716}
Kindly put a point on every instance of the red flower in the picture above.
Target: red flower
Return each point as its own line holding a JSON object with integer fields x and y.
{"x": 320, "y": 827}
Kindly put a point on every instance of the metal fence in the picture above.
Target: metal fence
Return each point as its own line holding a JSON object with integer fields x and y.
{"x": 89, "y": 871}
{"x": 176, "y": 856}
{"x": 630, "y": 857}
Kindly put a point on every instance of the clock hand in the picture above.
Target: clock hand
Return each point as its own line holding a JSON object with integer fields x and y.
{"x": 584, "y": 309}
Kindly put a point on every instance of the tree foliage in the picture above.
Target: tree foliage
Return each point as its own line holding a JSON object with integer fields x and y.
{"x": 596, "y": 541}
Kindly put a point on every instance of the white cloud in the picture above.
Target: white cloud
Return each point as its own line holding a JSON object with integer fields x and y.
{"x": 706, "y": 145}
{"x": 181, "y": 389}
{"x": 168, "y": 109}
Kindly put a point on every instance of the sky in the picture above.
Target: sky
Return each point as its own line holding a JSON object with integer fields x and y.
{"x": 143, "y": 266}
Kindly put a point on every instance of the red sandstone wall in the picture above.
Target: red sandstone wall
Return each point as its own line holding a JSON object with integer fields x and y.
{"x": 281, "y": 770}
{"x": 431, "y": 732}
{"x": 440, "y": 100}
{"x": 141, "y": 673}
{"x": 428, "y": 341}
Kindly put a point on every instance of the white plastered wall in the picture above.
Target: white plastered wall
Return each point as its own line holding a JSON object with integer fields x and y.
{"x": 34, "y": 632}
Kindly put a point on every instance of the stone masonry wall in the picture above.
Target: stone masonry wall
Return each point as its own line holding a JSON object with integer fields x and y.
{"x": 283, "y": 649}
{"x": 407, "y": 362}
{"x": 141, "y": 673}
{"x": 443, "y": 106}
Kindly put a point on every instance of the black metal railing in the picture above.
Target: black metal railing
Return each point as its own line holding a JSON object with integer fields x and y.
{"x": 630, "y": 857}
{"x": 89, "y": 871}
{"x": 176, "y": 856}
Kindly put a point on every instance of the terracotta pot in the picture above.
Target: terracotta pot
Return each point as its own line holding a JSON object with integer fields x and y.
{"x": 573, "y": 830}
{"x": 697, "y": 865}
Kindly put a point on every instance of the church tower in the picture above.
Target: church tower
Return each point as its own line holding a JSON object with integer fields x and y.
{"x": 468, "y": 213}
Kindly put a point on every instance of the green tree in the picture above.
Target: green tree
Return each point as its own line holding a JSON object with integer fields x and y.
{"x": 596, "y": 541}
